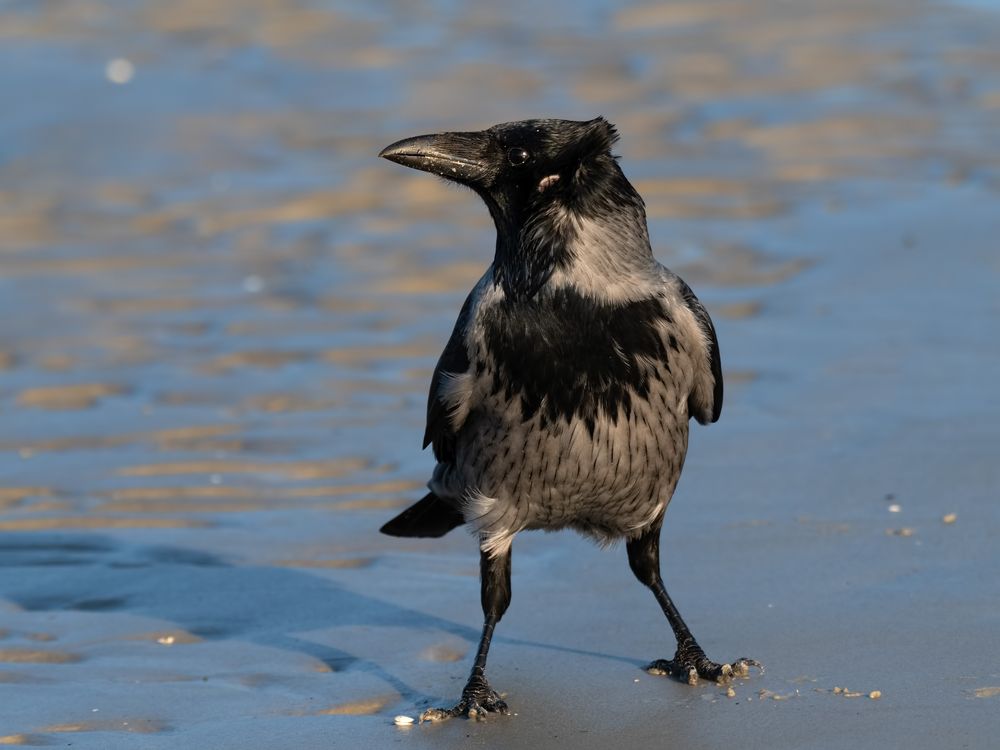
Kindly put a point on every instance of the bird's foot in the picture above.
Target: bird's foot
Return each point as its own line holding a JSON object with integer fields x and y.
{"x": 478, "y": 700}
{"x": 690, "y": 663}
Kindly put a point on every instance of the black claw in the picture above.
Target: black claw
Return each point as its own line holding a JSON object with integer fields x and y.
{"x": 690, "y": 663}
{"x": 743, "y": 664}
{"x": 478, "y": 700}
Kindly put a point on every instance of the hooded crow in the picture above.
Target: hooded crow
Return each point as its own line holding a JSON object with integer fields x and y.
{"x": 563, "y": 396}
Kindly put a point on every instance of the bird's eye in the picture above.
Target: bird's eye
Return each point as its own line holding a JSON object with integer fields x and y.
{"x": 518, "y": 156}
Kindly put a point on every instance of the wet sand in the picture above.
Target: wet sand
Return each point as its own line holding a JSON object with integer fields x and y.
{"x": 220, "y": 313}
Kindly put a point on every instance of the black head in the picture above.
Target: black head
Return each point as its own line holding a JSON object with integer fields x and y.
{"x": 539, "y": 178}
{"x": 516, "y": 166}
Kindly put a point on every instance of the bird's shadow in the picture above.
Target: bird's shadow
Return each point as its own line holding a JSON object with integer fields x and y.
{"x": 213, "y": 598}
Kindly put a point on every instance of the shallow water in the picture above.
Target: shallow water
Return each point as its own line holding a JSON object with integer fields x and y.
{"x": 220, "y": 312}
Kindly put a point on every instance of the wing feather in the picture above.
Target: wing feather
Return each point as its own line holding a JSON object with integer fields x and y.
{"x": 454, "y": 362}
{"x": 705, "y": 402}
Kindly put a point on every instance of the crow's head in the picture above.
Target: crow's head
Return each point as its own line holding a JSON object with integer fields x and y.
{"x": 516, "y": 167}
{"x": 546, "y": 183}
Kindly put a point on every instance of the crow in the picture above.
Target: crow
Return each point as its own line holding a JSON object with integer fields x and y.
{"x": 562, "y": 398}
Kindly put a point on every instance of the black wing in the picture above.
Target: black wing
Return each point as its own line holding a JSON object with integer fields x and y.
{"x": 704, "y": 412}
{"x": 454, "y": 359}
{"x": 432, "y": 516}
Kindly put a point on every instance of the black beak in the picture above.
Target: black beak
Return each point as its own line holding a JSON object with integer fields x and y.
{"x": 461, "y": 157}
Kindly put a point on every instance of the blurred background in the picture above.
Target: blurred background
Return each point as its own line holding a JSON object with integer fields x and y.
{"x": 219, "y": 312}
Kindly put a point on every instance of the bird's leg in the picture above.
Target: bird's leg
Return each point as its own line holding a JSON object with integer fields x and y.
{"x": 478, "y": 698}
{"x": 690, "y": 662}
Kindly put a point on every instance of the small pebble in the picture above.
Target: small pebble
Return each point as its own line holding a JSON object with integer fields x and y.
{"x": 875, "y": 694}
{"x": 403, "y": 721}
{"x": 895, "y": 508}
{"x": 949, "y": 518}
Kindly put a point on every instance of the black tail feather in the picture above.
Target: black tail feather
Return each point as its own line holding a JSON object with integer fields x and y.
{"x": 430, "y": 517}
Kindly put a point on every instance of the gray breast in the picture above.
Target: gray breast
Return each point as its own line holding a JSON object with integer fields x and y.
{"x": 578, "y": 418}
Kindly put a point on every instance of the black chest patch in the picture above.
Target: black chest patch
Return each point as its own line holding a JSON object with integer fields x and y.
{"x": 567, "y": 356}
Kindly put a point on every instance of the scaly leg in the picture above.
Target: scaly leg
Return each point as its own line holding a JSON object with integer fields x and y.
{"x": 478, "y": 699}
{"x": 690, "y": 662}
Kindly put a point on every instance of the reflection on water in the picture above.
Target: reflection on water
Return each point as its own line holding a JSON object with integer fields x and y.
{"x": 219, "y": 312}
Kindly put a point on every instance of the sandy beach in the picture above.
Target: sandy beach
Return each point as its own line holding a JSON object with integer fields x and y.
{"x": 219, "y": 313}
